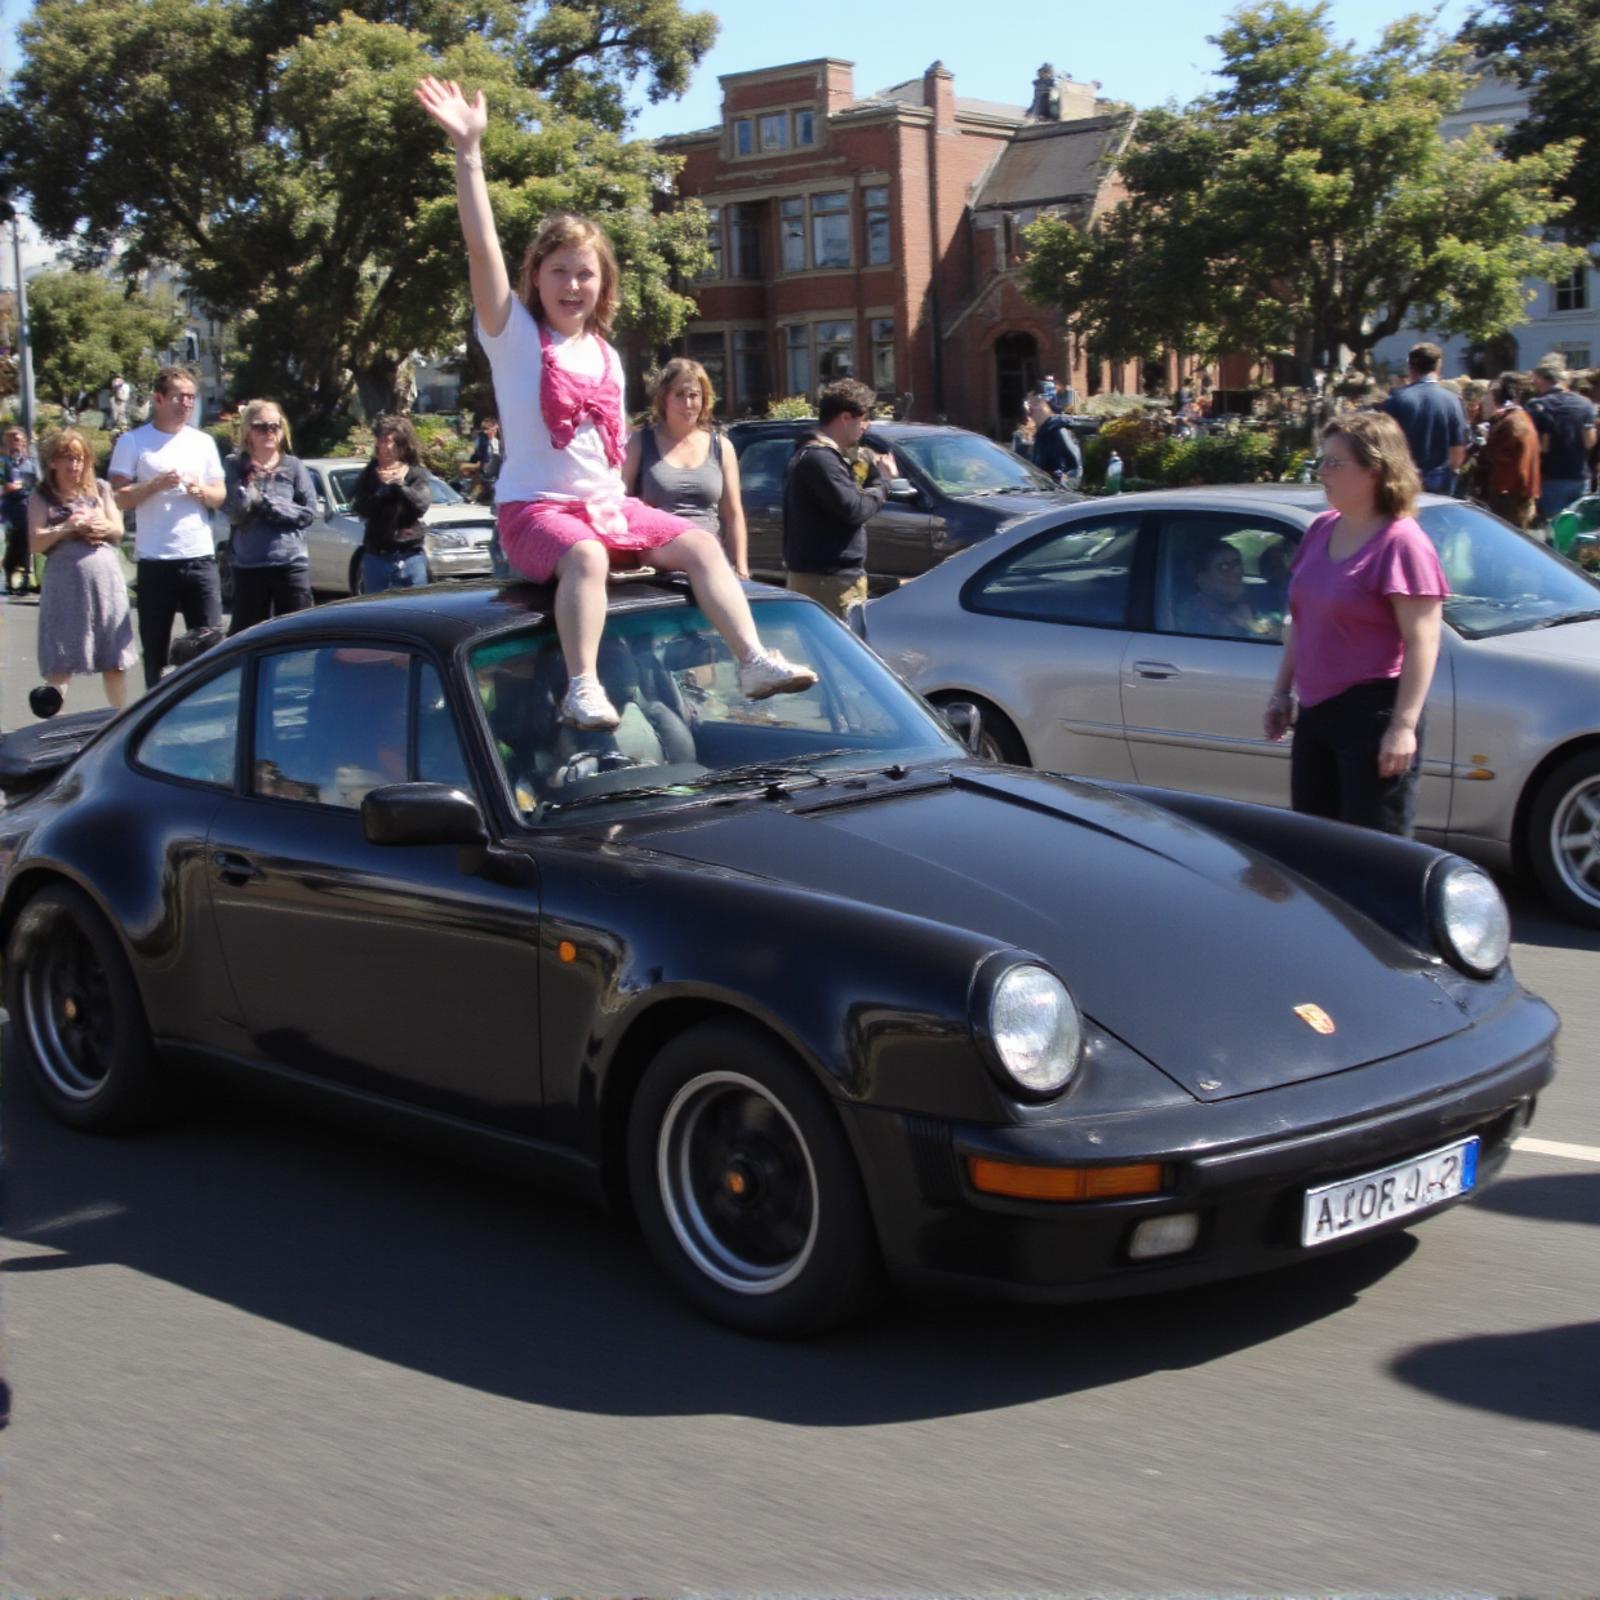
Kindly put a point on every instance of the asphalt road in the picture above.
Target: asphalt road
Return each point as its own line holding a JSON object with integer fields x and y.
{"x": 255, "y": 1355}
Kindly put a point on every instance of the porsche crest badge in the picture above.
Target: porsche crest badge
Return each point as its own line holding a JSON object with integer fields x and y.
{"x": 1314, "y": 1017}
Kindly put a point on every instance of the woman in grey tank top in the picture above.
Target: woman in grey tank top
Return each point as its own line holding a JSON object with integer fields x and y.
{"x": 682, "y": 465}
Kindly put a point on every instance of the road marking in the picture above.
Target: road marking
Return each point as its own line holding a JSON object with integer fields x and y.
{"x": 1549, "y": 1147}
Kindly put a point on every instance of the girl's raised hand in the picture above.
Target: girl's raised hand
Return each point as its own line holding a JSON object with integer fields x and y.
{"x": 464, "y": 120}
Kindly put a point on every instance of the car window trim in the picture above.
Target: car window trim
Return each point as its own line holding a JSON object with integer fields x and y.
{"x": 1141, "y": 516}
{"x": 169, "y": 703}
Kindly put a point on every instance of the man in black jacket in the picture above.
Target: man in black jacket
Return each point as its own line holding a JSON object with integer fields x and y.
{"x": 832, "y": 486}
{"x": 1055, "y": 450}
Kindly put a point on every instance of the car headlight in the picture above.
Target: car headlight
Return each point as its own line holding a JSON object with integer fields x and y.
{"x": 1034, "y": 1029}
{"x": 1470, "y": 920}
{"x": 440, "y": 539}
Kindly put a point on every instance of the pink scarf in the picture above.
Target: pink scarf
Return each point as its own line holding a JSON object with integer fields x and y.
{"x": 568, "y": 400}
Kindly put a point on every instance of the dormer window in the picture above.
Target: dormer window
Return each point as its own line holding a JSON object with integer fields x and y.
{"x": 744, "y": 137}
{"x": 775, "y": 131}
{"x": 805, "y": 128}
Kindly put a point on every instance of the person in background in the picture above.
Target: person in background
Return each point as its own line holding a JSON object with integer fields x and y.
{"x": 170, "y": 475}
{"x": 1432, "y": 420}
{"x": 484, "y": 463}
{"x": 85, "y": 621}
{"x": 1366, "y": 600}
{"x": 270, "y": 502}
{"x": 20, "y": 472}
{"x": 681, "y": 463}
{"x": 1566, "y": 425}
{"x": 830, "y": 495}
{"x": 1510, "y": 456}
{"x": 1055, "y": 449}
{"x": 1022, "y": 434}
{"x": 392, "y": 497}
{"x": 119, "y": 393}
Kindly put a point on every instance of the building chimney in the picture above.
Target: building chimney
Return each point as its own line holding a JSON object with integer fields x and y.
{"x": 1046, "y": 105}
{"x": 939, "y": 94}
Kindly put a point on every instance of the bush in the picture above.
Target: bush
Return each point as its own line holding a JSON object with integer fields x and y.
{"x": 443, "y": 449}
{"x": 794, "y": 407}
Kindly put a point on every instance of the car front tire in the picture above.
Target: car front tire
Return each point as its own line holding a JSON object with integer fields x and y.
{"x": 1564, "y": 837}
{"x": 77, "y": 1022}
{"x": 745, "y": 1188}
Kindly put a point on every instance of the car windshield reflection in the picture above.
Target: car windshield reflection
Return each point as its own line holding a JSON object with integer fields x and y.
{"x": 342, "y": 481}
{"x": 1501, "y": 581}
{"x": 687, "y": 733}
{"x": 964, "y": 465}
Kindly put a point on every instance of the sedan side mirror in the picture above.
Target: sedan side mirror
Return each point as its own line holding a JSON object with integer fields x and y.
{"x": 421, "y": 813}
{"x": 902, "y": 489}
{"x": 322, "y": 506}
{"x": 966, "y": 723}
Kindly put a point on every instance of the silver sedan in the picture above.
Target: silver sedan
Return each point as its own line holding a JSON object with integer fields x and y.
{"x": 1136, "y": 638}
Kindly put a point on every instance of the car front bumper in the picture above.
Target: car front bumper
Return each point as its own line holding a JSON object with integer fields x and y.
{"x": 1242, "y": 1166}
{"x": 461, "y": 561}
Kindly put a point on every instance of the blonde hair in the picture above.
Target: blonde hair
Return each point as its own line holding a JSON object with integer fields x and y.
{"x": 672, "y": 374}
{"x": 1376, "y": 442}
{"x": 556, "y": 233}
{"x": 250, "y": 412}
{"x": 58, "y": 442}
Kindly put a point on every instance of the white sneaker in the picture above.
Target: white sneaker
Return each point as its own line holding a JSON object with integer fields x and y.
{"x": 767, "y": 673}
{"x": 586, "y": 704}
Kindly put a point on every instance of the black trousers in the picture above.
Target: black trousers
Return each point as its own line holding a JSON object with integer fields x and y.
{"x": 262, "y": 592}
{"x": 1333, "y": 763}
{"x": 166, "y": 588}
{"x": 18, "y": 556}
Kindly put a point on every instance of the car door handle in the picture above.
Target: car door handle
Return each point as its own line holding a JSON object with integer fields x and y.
{"x": 1156, "y": 669}
{"x": 234, "y": 868}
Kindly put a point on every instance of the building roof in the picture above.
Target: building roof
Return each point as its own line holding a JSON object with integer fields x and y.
{"x": 1049, "y": 163}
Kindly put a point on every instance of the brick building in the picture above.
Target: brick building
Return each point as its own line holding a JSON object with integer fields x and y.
{"x": 879, "y": 237}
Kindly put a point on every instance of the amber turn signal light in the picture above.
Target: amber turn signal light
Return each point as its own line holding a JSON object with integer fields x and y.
{"x": 1063, "y": 1183}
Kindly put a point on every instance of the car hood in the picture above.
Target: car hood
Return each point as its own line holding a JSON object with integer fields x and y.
{"x": 1575, "y": 644}
{"x": 1010, "y": 507}
{"x": 1188, "y": 947}
{"x": 460, "y": 518}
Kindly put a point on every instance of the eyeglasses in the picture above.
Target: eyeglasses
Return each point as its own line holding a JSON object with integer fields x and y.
{"x": 183, "y": 398}
{"x": 1333, "y": 463}
{"x": 268, "y": 427}
{"x": 1230, "y": 564}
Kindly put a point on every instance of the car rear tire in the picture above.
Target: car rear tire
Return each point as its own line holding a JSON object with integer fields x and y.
{"x": 746, "y": 1190}
{"x": 77, "y": 1021}
{"x": 1564, "y": 837}
{"x": 998, "y": 739}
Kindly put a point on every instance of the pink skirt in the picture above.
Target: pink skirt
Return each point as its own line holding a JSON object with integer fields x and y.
{"x": 535, "y": 534}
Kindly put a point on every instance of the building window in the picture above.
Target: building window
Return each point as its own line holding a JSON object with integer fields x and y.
{"x": 792, "y": 230}
{"x": 1574, "y": 356}
{"x": 714, "y": 240}
{"x": 805, "y": 128}
{"x": 744, "y": 240}
{"x": 797, "y": 359}
{"x": 775, "y": 131}
{"x": 744, "y": 137}
{"x": 836, "y": 351}
{"x": 876, "y": 202}
{"x": 830, "y": 230}
{"x": 882, "y": 329}
{"x": 1573, "y": 294}
{"x": 750, "y": 385}
{"x": 708, "y": 349}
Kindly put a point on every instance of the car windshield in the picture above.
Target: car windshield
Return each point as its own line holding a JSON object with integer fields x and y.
{"x": 342, "y": 482}
{"x": 1501, "y": 581}
{"x": 686, "y": 732}
{"x": 966, "y": 464}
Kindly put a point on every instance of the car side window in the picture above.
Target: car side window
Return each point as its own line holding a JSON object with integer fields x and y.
{"x": 331, "y": 723}
{"x": 1221, "y": 576}
{"x": 439, "y": 755}
{"x": 343, "y": 486}
{"x": 197, "y": 738}
{"x": 1079, "y": 573}
{"x": 761, "y": 468}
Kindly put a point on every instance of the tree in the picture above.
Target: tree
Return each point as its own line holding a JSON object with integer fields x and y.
{"x": 1552, "y": 49}
{"x": 1310, "y": 206}
{"x": 86, "y": 330}
{"x": 278, "y": 160}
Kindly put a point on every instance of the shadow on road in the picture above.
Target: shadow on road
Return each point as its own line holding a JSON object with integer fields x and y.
{"x": 484, "y": 1282}
{"x": 1569, "y": 1197}
{"x": 1534, "y": 921}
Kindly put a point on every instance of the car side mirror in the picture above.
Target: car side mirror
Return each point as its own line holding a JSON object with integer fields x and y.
{"x": 902, "y": 489}
{"x": 322, "y": 506}
{"x": 965, "y": 721}
{"x": 421, "y": 813}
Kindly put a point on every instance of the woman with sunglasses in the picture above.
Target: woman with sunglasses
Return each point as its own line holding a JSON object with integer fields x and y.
{"x": 1366, "y": 599}
{"x": 85, "y": 622}
{"x": 270, "y": 503}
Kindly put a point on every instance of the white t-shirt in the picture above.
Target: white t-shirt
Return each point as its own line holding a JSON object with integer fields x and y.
{"x": 173, "y": 526}
{"x": 533, "y": 468}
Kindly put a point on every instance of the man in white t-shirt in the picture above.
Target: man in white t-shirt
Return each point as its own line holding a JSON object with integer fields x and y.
{"x": 170, "y": 474}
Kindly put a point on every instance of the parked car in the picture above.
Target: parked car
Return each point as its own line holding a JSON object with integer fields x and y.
{"x": 815, "y": 993}
{"x": 956, "y": 489}
{"x": 1069, "y": 633}
{"x": 456, "y": 541}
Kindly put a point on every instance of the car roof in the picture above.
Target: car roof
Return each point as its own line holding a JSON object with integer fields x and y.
{"x": 1273, "y": 496}
{"x": 780, "y": 427}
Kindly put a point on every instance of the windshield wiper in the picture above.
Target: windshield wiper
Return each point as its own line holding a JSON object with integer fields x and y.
{"x": 1559, "y": 622}
{"x": 769, "y": 772}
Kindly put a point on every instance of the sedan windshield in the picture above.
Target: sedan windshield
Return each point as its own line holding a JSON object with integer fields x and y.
{"x": 687, "y": 734}
{"x": 966, "y": 464}
{"x": 1501, "y": 581}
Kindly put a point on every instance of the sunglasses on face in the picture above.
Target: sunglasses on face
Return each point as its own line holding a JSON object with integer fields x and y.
{"x": 267, "y": 427}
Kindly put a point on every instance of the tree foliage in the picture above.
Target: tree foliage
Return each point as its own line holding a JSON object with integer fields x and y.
{"x": 272, "y": 151}
{"x": 1309, "y": 204}
{"x": 85, "y": 330}
{"x": 1551, "y": 48}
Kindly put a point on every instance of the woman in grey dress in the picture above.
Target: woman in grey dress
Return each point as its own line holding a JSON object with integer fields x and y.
{"x": 85, "y": 623}
{"x": 681, "y": 464}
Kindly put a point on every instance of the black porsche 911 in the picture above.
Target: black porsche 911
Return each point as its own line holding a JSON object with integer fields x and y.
{"x": 826, "y": 1001}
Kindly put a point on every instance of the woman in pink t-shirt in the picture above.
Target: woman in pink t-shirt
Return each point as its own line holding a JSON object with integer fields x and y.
{"x": 1366, "y": 599}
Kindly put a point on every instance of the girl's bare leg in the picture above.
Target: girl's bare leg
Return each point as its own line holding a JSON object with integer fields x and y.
{"x": 581, "y": 605}
{"x": 700, "y": 558}
{"x": 116, "y": 687}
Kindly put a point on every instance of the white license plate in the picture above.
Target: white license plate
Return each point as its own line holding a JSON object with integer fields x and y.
{"x": 1338, "y": 1210}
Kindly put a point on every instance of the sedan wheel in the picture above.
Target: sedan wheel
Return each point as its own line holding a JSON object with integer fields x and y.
{"x": 746, "y": 1190}
{"x": 1564, "y": 837}
{"x": 76, "y": 1016}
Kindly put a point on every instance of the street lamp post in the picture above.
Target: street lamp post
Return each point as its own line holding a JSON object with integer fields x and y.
{"x": 24, "y": 342}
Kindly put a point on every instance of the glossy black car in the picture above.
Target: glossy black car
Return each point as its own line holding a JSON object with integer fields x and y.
{"x": 817, "y": 995}
{"x": 956, "y": 488}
